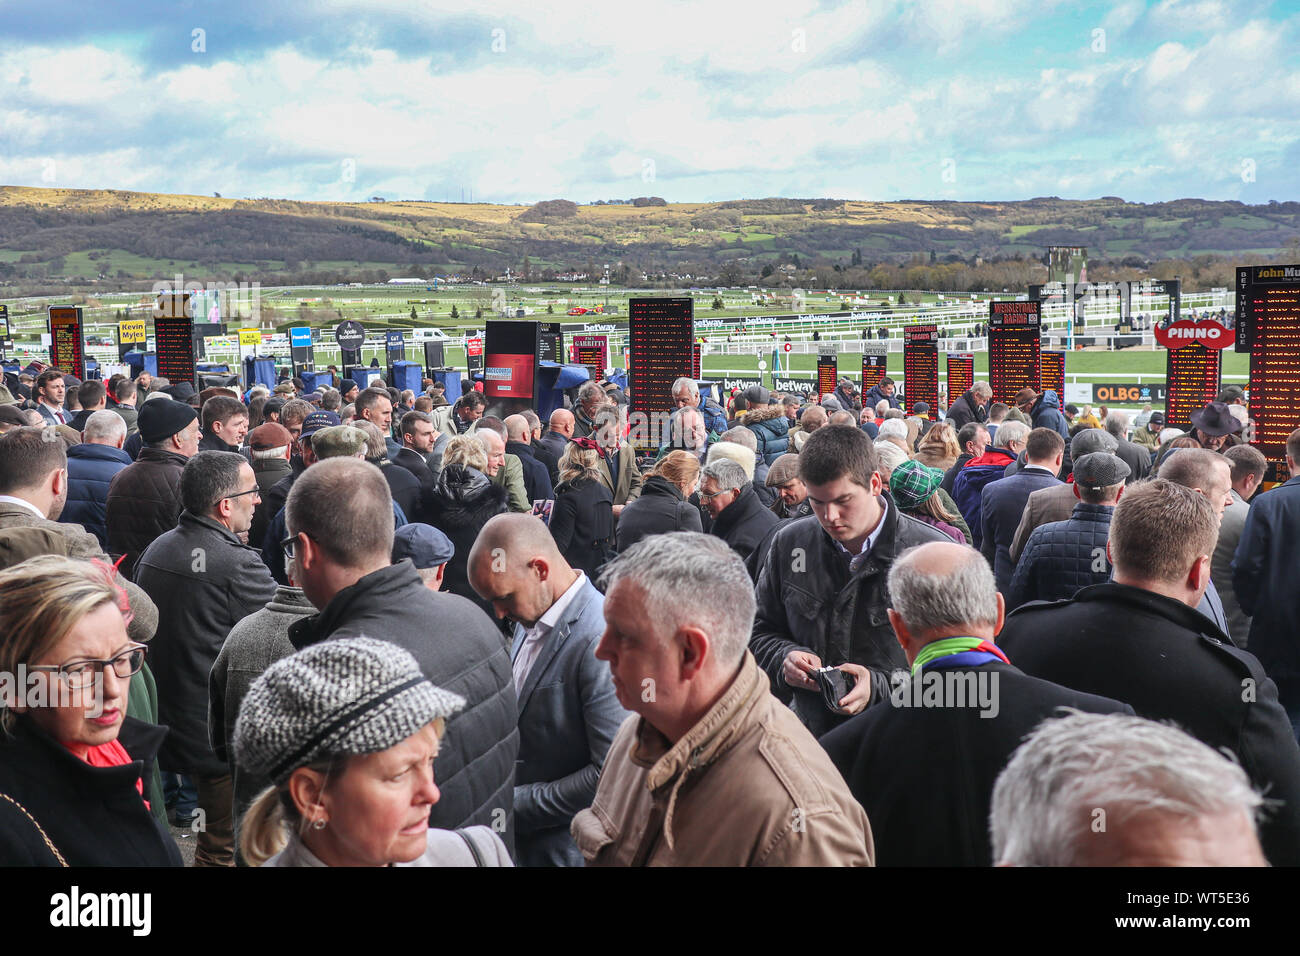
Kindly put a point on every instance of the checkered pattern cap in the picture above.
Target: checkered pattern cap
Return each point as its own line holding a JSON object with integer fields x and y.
{"x": 912, "y": 483}
{"x": 350, "y": 696}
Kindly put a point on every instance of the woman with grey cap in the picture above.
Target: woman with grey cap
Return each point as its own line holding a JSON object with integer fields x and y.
{"x": 347, "y": 732}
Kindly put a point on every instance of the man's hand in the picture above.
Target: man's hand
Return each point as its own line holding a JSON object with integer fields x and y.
{"x": 856, "y": 700}
{"x": 795, "y": 669}
{"x": 618, "y": 510}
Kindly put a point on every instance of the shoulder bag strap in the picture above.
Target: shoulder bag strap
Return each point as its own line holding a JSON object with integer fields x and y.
{"x": 44, "y": 836}
{"x": 469, "y": 842}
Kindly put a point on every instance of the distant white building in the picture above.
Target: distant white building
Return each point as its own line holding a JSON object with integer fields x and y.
{"x": 407, "y": 281}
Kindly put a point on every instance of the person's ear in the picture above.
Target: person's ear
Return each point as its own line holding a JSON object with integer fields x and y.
{"x": 59, "y": 481}
{"x": 1002, "y": 614}
{"x": 693, "y": 647}
{"x": 541, "y": 568}
{"x": 307, "y": 790}
{"x": 305, "y": 551}
{"x": 901, "y": 633}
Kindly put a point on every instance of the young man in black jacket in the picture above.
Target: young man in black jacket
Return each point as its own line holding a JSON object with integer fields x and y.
{"x": 821, "y": 592}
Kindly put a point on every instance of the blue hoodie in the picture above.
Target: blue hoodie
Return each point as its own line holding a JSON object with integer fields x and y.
{"x": 1046, "y": 413}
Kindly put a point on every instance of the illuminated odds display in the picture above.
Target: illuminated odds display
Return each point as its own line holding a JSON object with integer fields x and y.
{"x": 593, "y": 352}
{"x": 1014, "y": 346}
{"x": 696, "y": 363}
{"x": 961, "y": 374}
{"x": 874, "y": 366}
{"x": 661, "y": 336}
{"x": 921, "y": 366}
{"x": 550, "y": 346}
{"x": 1268, "y": 327}
{"x": 1191, "y": 380}
{"x": 174, "y": 344}
{"x": 828, "y": 373}
{"x": 1051, "y": 372}
{"x": 67, "y": 341}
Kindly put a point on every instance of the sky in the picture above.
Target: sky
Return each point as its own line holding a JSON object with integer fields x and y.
{"x": 692, "y": 100}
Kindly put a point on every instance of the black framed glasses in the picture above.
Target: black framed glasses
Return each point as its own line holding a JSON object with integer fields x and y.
{"x": 250, "y": 491}
{"x": 81, "y": 674}
{"x": 288, "y": 545}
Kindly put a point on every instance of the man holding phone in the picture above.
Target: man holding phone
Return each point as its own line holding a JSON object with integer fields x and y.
{"x": 822, "y": 594}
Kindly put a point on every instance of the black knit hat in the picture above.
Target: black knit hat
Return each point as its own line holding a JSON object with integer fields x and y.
{"x": 162, "y": 418}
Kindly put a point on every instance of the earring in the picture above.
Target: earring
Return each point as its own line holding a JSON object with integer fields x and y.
{"x": 318, "y": 823}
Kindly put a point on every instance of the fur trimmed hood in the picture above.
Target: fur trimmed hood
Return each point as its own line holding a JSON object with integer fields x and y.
{"x": 764, "y": 414}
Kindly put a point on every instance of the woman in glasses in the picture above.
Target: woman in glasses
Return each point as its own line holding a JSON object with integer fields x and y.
{"x": 72, "y": 764}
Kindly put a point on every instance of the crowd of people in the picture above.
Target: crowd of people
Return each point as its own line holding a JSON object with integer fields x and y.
{"x": 363, "y": 627}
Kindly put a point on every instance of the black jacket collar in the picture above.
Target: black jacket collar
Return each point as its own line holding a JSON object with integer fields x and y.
{"x": 1138, "y": 599}
{"x": 383, "y": 587}
{"x": 140, "y": 739}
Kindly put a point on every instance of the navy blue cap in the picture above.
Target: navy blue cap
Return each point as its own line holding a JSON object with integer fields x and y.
{"x": 318, "y": 420}
{"x": 425, "y": 545}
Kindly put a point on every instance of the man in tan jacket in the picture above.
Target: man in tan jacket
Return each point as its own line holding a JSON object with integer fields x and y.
{"x": 713, "y": 770}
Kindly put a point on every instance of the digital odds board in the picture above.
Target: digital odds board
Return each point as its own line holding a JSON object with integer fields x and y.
{"x": 1051, "y": 372}
{"x": 921, "y": 366}
{"x": 1268, "y": 328}
{"x": 1191, "y": 379}
{"x": 173, "y": 329}
{"x": 874, "y": 366}
{"x": 961, "y": 374}
{"x": 593, "y": 352}
{"x": 550, "y": 347}
{"x": 1014, "y": 346}
{"x": 828, "y": 372}
{"x": 67, "y": 340}
{"x": 661, "y": 336}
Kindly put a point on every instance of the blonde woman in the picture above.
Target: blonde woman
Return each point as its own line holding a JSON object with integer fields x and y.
{"x": 582, "y": 521}
{"x": 72, "y": 764}
{"x": 347, "y": 731}
{"x": 459, "y": 503}
{"x": 665, "y": 502}
{"x": 939, "y": 448}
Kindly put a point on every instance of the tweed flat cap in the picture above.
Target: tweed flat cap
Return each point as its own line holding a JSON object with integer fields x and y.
{"x": 1100, "y": 470}
{"x": 338, "y": 441}
{"x": 782, "y": 470}
{"x": 336, "y": 698}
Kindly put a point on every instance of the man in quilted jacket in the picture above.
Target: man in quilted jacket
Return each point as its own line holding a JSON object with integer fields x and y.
{"x": 1063, "y": 556}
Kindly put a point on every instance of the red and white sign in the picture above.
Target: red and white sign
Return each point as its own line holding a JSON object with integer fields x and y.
{"x": 1210, "y": 334}
{"x": 787, "y": 347}
{"x": 474, "y": 346}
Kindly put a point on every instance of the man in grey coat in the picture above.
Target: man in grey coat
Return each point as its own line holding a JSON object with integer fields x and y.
{"x": 1248, "y": 466}
{"x": 204, "y": 581}
{"x": 568, "y": 710}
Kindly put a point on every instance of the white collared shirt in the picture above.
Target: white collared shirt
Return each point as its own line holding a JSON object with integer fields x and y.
{"x": 856, "y": 560}
{"x": 10, "y": 499}
{"x": 534, "y": 636}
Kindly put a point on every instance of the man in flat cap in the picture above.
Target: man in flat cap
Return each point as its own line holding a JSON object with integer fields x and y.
{"x": 791, "y": 493}
{"x": 1063, "y": 556}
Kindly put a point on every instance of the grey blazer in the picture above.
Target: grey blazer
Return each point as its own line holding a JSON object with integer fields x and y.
{"x": 568, "y": 716}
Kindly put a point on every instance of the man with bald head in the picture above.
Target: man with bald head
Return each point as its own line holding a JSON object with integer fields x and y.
{"x": 923, "y": 763}
{"x": 568, "y": 710}
{"x": 559, "y": 431}
{"x": 1209, "y": 474}
{"x": 537, "y": 480}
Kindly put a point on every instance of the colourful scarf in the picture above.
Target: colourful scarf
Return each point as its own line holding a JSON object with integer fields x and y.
{"x": 589, "y": 444}
{"x": 958, "y": 652}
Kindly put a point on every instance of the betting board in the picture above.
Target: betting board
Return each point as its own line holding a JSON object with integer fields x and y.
{"x": 921, "y": 365}
{"x": 550, "y": 344}
{"x": 696, "y": 363}
{"x": 174, "y": 344}
{"x": 1191, "y": 380}
{"x": 961, "y": 374}
{"x": 1051, "y": 372}
{"x": 661, "y": 336}
{"x": 828, "y": 372}
{"x": 6, "y": 341}
{"x": 1268, "y": 327}
{"x": 875, "y": 366}
{"x": 67, "y": 340}
{"x": 593, "y": 352}
{"x": 1014, "y": 345}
